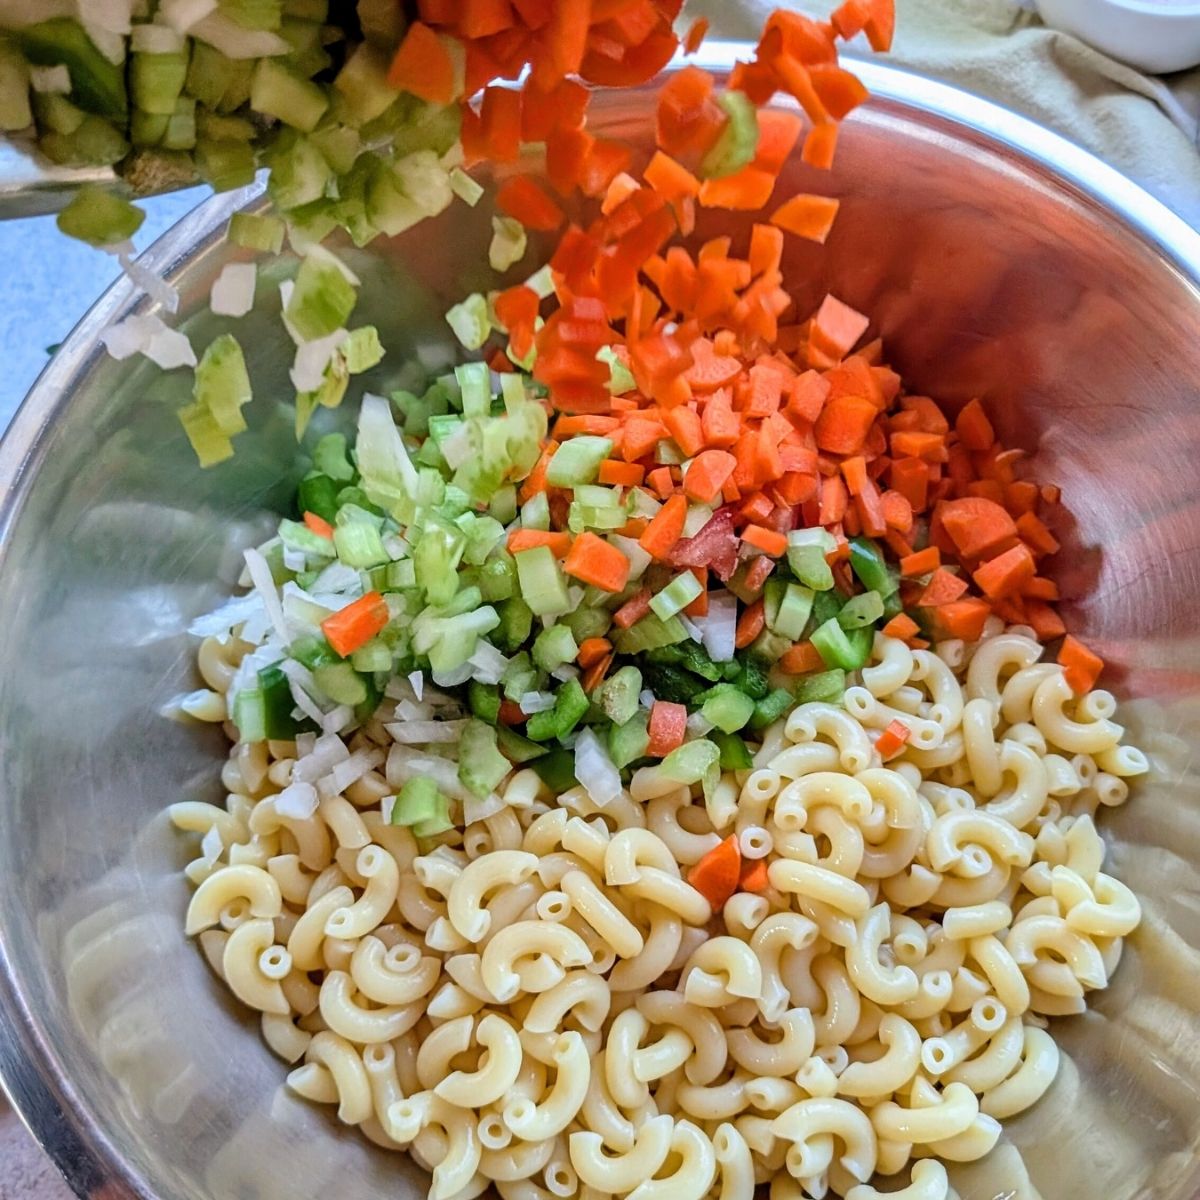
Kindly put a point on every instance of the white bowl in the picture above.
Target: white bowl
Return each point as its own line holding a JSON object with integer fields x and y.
{"x": 1156, "y": 36}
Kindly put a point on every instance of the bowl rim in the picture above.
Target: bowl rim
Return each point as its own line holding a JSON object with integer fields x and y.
{"x": 31, "y": 1071}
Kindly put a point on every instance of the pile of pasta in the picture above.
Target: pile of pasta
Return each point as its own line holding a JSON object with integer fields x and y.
{"x": 540, "y": 1001}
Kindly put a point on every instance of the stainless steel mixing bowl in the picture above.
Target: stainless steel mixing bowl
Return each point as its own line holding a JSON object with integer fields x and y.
{"x": 996, "y": 259}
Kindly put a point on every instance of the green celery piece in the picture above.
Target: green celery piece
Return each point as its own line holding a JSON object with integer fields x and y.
{"x": 729, "y": 711}
{"x": 792, "y": 610}
{"x": 362, "y": 85}
{"x": 570, "y": 706}
{"x": 543, "y": 585}
{"x": 587, "y": 622}
{"x": 98, "y": 217}
{"x": 629, "y": 742}
{"x": 519, "y": 677}
{"x": 254, "y": 231}
{"x": 280, "y": 92}
{"x": 156, "y": 81}
{"x": 553, "y": 647}
{"x": 323, "y": 298}
{"x": 254, "y": 14}
{"x": 864, "y": 609}
{"x": 806, "y": 557}
{"x": 617, "y": 696}
{"x": 689, "y": 763}
{"x": 15, "y": 110}
{"x": 417, "y": 801}
{"x": 341, "y": 683}
{"x": 825, "y": 686}
{"x": 738, "y": 140}
{"x": 225, "y": 164}
{"x": 498, "y": 581}
{"x": 96, "y": 84}
{"x": 578, "y": 460}
{"x": 299, "y": 537}
{"x": 250, "y": 715}
{"x": 331, "y": 457}
{"x": 222, "y": 383}
{"x": 481, "y": 766}
{"x": 648, "y": 634}
{"x": 207, "y": 440}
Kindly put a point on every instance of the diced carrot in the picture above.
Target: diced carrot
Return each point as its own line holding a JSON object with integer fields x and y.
{"x": 820, "y": 146}
{"x": 746, "y": 190}
{"x": 511, "y": 713}
{"x": 1035, "y": 534}
{"x": 1040, "y": 588}
{"x": 766, "y": 248}
{"x": 931, "y": 447}
{"x": 854, "y": 472}
{"x": 910, "y": 477}
{"x": 806, "y": 216}
{"x": 354, "y": 626}
{"x": 665, "y": 528}
{"x": 1081, "y": 666}
{"x": 620, "y": 474}
{"x": 707, "y": 475}
{"x": 750, "y": 624}
{"x": 573, "y": 424}
{"x": 661, "y": 482}
{"x": 1021, "y": 497}
{"x": 423, "y": 66}
{"x": 695, "y": 35}
{"x": 594, "y": 675}
{"x": 963, "y": 619}
{"x": 633, "y": 610}
{"x": 944, "y": 587}
{"x": 666, "y": 728}
{"x": 1051, "y": 493}
{"x": 685, "y": 428}
{"x": 1003, "y": 575}
{"x": 973, "y": 427}
{"x": 600, "y": 563}
{"x": 902, "y": 626}
{"x": 897, "y": 511}
{"x": 719, "y": 424}
{"x": 978, "y": 527}
{"x": 807, "y": 394}
{"x": 891, "y": 741}
{"x": 699, "y": 606}
{"x": 669, "y": 178}
{"x": 851, "y": 18}
{"x": 880, "y": 29}
{"x": 843, "y": 424}
{"x": 717, "y": 874}
{"x": 800, "y": 659}
{"x": 535, "y": 482}
{"x": 639, "y": 437}
{"x": 1044, "y": 620}
{"x": 527, "y": 539}
{"x": 318, "y": 525}
{"x": 834, "y": 499}
{"x": 923, "y": 562}
{"x": 837, "y": 327}
{"x": 986, "y": 489}
{"x": 591, "y": 650}
{"x": 754, "y": 876}
{"x": 778, "y": 132}
{"x": 766, "y": 540}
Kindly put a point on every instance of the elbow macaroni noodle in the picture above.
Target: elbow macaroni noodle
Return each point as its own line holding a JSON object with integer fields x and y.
{"x": 541, "y": 1001}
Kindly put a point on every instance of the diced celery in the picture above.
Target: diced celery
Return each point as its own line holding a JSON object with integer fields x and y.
{"x": 578, "y": 460}
{"x": 647, "y": 634}
{"x": 519, "y": 677}
{"x": 363, "y": 86}
{"x": 516, "y": 623}
{"x": 250, "y": 715}
{"x": 436, "y": 825}
{"x": 465, "y": 188}
{"x": 482, "y": 533}
{"x": 299, "y": 537}
{"x": 213, "y": 125}
{"x": 15, "y": 111}
{"x": 254, "y": 14}
{"x": 418, "y": 801}
{"x": 55, "y": 112}
{"x": 475, "y": 383}
{"x": 341, "y": 683}
{"x": 542, "y": 582}
{"x": 503, "y": 505}
{"x": 498, "y": 579}
{"x": 330, "y": 457}
{"x": 299, "y": 173}
{"x": 359, "y": 545}
{"x": 469, "y": 321}
{"x": 825, "y": 686}
{"x": 629, "y": 741}
{"x": 98, "y": 217}
{"x": 620, "y": 378}
{"x": 323, "y": 297}
{"x": 156, "y": 81}
{"x": 737, "y": 141}
{"x": 729, "y": 711}
{"x": 554, "y": 646}
{"x": 676, "y": 596}
{"x": 535, "y": 512}
{"x": 222, "y": 384}
{"x": 225, "y": 164}
{"x": 587, "y": 621}
{"x": 481, "y": 766}
{"x": 361, "y": 350}
{"x": 209, "y": 443}
{"x": 280, "y": 92}
{"x": 508, "y": 243}
{"x": 806, "y": 553}
{"x": 864, "y": 609}
{"x": 401, "y": 575}
{"x": 180, "y": 133}
{"x": 788, "y": 609}
{"x": 617, "y": 696}
{"x": 436, "y": 557}
{"x": 690, "y": 762}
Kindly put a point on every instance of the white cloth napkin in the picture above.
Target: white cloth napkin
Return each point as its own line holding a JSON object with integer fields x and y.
{"x": 1144, "y": 126}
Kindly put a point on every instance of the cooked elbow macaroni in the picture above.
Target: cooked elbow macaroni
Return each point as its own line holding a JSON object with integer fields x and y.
{"x": 541, "y": 1001}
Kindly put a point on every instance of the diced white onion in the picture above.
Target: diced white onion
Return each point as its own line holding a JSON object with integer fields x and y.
{"x": 594, "y": 769}
{"x": 50, "y": 80}
{"x": 294, "y": 560}
{"x": 337, "y": 719}
{"x": 691, "y": 628}
{"x": 349, "y": 771}
{"x": 308, "y": 367}
{"x": 151, "y": 282}
{"x": 395, "y": 546}
{"x": 385, "y": 808}
{"x": 152, "y": 38}
{"x": 406, "y": 710}
{"x": 264, "y": 585}
{"x": 221, "y": 621}
{"x": 416, "y": 680}
{"x": 233, "y": 290}
{"x": 326, "y": 753}
{"x": 698, "y": 724}
{"x": 456, "y": 449}
{"x": 565, "y": 672}
{"x": 297, "y": 801}
{"x": 337, "y": 577}
{"x": 479, "y": 810}
{"x": 536, "y": 702}
{"x": 305, "y": 743}
{"x": 455, "y": 677}
{"x": 646, "y": 698}
{"x": 234, "y": 40}
{"x": 639, "y": 560}
{"x": 426, "y": 732}
{"x": 488, "y": 662}
{"x": 718, "y": 627}
{"x": 168, "y": 348}
{"x": 698, "y": 515}
{"x": 181, "y": 15}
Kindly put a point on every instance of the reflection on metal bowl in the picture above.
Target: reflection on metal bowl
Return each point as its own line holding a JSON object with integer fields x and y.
{"x": 995, "y": 259}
